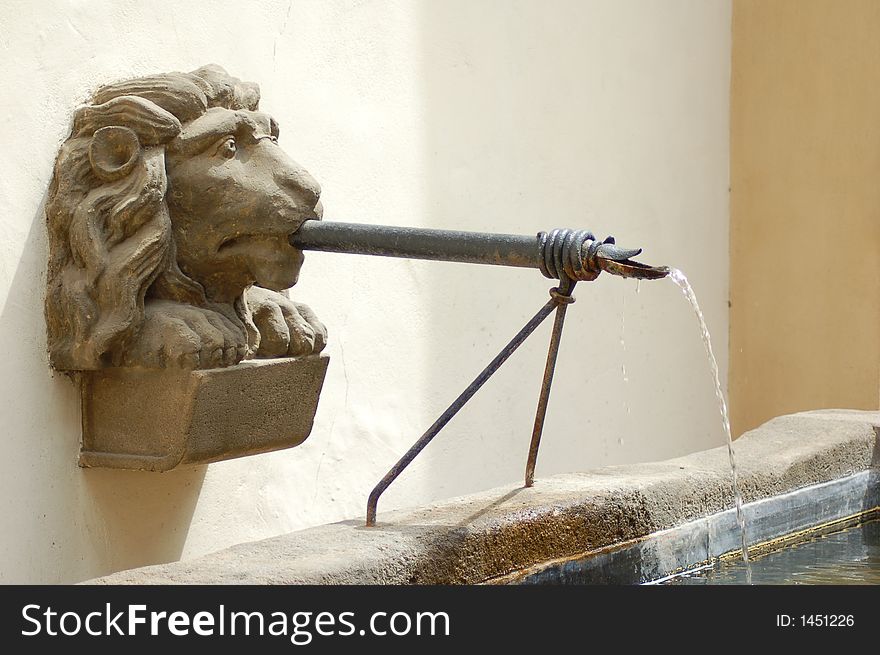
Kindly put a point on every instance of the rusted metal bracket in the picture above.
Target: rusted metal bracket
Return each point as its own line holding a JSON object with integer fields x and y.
{"x": 558, "y": 301}
{"x": 567, "y": 255}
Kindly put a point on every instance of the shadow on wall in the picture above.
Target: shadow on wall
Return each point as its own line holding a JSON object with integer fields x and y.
{"x": 62, "y": 523}
{"x": 144, "y": 517}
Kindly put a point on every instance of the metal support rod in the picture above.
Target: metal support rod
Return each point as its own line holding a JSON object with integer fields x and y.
{"x": 453, "y": 409}
{"x": 563, "y": 298}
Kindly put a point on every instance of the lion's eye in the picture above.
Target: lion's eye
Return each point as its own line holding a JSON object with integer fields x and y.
{"x": 274, "y": 139}
{"x": 227, "y": 148}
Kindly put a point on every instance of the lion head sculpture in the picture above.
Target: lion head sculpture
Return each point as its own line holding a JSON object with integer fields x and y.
{"x": 169, "y": 216}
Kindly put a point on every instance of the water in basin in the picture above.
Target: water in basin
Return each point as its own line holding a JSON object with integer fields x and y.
{"x": 849, "y": 556}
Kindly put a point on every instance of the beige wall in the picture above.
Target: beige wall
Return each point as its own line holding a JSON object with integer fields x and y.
{"x": 805, "y": 207}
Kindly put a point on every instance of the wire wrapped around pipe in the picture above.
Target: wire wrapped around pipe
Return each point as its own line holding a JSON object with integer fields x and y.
{"x": 569, "y": 253}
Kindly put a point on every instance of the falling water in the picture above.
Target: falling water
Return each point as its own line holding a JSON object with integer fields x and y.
{"x": 623, "y": 340}
{"x": 681, "y": 280}
{"x": 623, "y": 361}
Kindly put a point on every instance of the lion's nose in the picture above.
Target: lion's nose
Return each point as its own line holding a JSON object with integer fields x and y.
{"x": 302, "y": 184}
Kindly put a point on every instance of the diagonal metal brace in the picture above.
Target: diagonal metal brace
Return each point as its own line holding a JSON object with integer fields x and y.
{"x": 560, "y": 298}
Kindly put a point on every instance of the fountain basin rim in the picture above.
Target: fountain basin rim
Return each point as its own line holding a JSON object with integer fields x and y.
{"x": 484, "y": 536}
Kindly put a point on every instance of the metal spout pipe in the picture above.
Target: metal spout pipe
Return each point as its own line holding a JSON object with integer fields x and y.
{"x": 575, "y": 254}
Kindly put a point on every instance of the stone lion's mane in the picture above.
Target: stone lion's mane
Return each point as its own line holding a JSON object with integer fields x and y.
{"x": 110, "y": 237}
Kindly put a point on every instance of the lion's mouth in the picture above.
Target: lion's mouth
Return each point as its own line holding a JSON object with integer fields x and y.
{"x": 267, "y": 260}
{"x": 232, "y": 242}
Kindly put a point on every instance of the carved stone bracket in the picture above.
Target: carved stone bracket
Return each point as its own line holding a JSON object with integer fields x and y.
{"x": 157, "y": 420}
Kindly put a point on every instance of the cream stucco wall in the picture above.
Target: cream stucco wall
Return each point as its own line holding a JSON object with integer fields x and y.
{"x": 504, "y": 116}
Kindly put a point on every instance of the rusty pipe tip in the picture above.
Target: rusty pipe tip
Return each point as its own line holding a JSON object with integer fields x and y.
{"x": 632, "y": 269}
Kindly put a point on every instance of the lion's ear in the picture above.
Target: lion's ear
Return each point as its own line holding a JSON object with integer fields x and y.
{"x": 114, "y": 152}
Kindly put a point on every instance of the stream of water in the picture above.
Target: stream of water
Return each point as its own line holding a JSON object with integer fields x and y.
{"x": 682, "y": 282}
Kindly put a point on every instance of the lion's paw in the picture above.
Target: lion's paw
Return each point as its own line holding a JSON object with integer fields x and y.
{"x": 175, "y": 335}
{"x": 287, "y": 328}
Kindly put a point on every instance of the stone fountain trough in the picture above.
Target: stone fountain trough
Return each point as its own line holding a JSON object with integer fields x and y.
{"x": 618, "y": 524}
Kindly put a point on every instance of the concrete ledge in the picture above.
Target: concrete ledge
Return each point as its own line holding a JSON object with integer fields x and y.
{"x": 486, "y": 536}
{"x": 156, "y": 420}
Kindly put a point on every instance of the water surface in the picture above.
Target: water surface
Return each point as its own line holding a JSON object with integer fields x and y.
{"x": 850, "y": 556}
